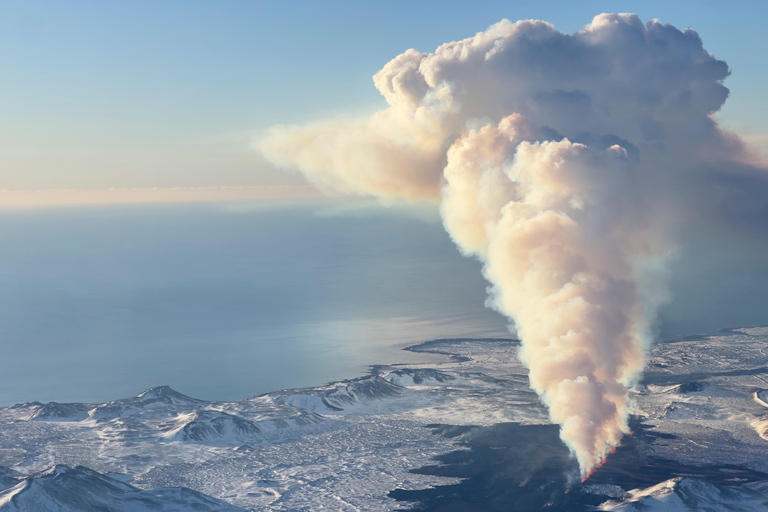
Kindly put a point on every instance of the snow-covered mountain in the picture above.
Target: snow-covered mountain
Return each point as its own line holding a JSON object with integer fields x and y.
{"x": 58, "y": 412}
{"x": 207, "y": 426}
{"x": 162, "y": 397}
{"x": 468, "y": 428}
{"x": 341, "y": 396}
{"x": 79, "y": 489}
{"x": 690, "y": 494}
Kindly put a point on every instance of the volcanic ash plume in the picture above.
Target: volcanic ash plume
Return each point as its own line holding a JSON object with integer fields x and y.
{"x": 564, "y": 163}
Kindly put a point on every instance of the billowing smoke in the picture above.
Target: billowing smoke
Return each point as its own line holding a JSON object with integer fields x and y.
{"x": 566, "y": 164}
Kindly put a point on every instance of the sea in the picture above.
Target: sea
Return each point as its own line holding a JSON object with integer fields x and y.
{"x": 228, "y": 301}
{"x": 224, "y": 302}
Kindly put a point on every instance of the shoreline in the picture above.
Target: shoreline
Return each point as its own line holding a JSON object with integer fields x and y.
{"x": 422, "y": 433}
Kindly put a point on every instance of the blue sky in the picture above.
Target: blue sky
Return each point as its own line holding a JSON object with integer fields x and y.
{"x": 98, "y": 95}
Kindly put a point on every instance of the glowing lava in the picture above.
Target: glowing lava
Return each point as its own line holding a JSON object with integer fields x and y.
{"x": 598, "y": 466}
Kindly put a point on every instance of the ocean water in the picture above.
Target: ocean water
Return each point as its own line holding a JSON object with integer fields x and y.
{"x": 223, "y": 302}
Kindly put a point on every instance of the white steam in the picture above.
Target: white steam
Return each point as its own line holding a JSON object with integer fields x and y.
{"x": 565, "y": 163}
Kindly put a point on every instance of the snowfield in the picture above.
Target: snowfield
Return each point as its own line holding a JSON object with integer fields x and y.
{"x": 346, "y": 445}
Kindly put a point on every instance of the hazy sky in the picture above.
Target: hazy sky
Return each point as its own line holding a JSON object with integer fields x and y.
{"x": 99, "y": 95}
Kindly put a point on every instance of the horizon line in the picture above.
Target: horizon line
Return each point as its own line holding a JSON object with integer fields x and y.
{"x": 26, "y": 198}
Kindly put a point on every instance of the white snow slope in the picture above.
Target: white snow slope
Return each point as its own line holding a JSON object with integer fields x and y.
{"x": 344, "y": 446}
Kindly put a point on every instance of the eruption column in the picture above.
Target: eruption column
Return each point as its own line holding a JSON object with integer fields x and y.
{"x": 564, "y": 163}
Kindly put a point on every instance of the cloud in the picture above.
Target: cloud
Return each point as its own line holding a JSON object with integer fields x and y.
{"x": 566, "y": 163}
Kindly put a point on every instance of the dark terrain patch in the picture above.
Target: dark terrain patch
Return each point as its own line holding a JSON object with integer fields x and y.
{"x": 526, "y": 467}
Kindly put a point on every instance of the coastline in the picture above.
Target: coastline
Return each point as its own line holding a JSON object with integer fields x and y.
{"x": 409, "y": 433}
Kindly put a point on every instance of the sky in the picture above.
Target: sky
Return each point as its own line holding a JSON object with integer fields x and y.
{"x": 577, "y": 171}
{"x": 161, "y": 101}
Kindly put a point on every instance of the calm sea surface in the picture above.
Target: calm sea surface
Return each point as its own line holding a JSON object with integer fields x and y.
{"x": 226, "y": 302}
{"x": 222, "y": 302}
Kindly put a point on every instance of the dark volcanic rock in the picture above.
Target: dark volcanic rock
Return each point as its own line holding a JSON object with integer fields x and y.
{"x": 526, "y": 467}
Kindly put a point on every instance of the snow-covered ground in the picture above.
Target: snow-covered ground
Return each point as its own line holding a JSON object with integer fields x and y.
{"x": 346, "y": 445}
{"x": 706, "y": 392}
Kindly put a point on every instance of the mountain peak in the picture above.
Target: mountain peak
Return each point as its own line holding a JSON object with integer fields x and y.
{"x": 165, "y": 392}
{"x": 65, "y": 489}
